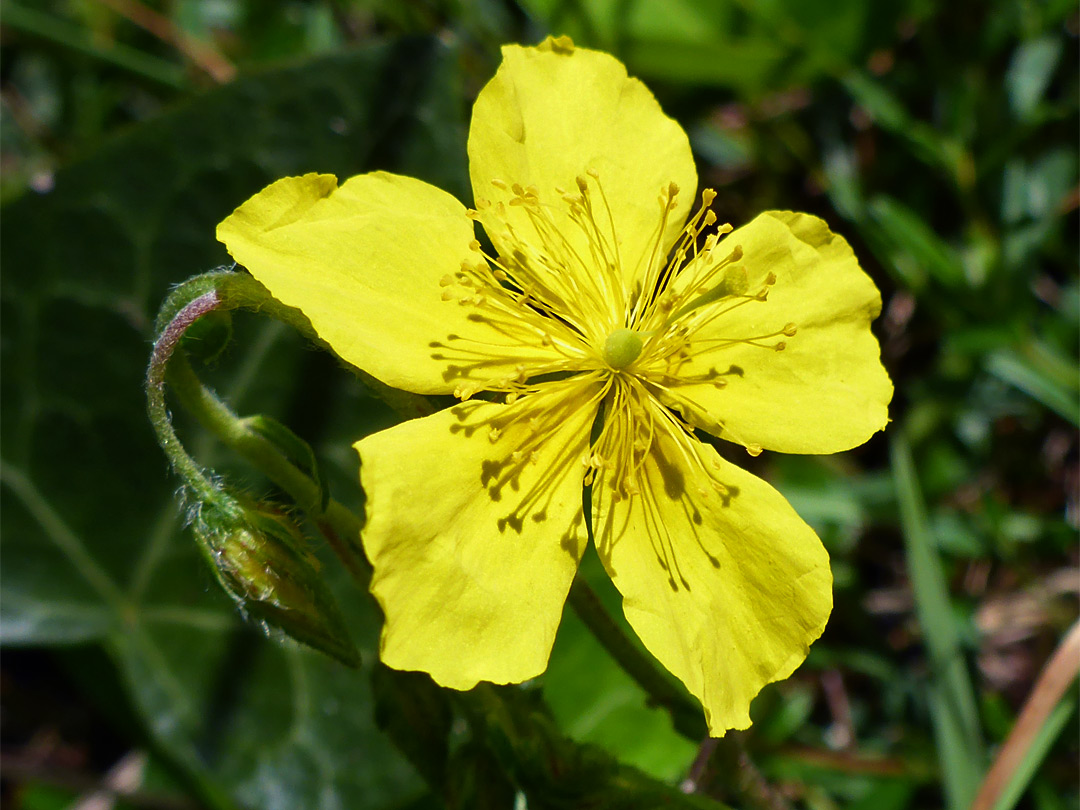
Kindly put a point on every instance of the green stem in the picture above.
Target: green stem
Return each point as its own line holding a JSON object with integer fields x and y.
{"x": 661, "y": 689}
{"x": 339, "y": 524}
{"x": 725, "y": 767}
{"x": 169, "y": 363}
{"x": 164, "y": 349}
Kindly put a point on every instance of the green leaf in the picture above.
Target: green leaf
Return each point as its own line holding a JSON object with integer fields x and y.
{"x": 1037, "y": 380}
{"x": 750, "y": 48}
{"x": 960, "y": 747}
{"x": 915, "y": 248}
{"x": 1037, "y": 751}
{"x": 297, "y": 450}
{"x": 94, "y": 545}
{"x": 607, "y": 707}
{"x": 61, "y": 32}
{"x": 888, "y": 112}
{"x": 281, "y": 726}
{"x": 1029, "y": 74}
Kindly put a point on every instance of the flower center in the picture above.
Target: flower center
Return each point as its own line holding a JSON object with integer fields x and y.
{"x": 622, "y": 347}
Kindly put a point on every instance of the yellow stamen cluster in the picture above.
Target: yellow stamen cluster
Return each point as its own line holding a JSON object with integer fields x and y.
{"x": 557, "y": 283}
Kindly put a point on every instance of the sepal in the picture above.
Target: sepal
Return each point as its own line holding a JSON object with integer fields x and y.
{"x": 260, "y": 558}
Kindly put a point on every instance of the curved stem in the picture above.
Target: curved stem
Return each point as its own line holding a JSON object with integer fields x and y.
{"x": 234, "y": 432}
{"x": 164, "y": 348}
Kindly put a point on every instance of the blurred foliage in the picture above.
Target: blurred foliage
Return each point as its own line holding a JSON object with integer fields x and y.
{"x": 939, "y": 138}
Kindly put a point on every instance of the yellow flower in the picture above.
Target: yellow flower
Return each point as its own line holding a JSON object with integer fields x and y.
{"x": 598, "y": 335}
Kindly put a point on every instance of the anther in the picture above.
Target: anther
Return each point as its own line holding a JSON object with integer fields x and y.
{"x": 499, "y": 184}
{"x": 790, "y": 329}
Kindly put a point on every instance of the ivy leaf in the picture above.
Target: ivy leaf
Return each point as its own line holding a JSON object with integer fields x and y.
{"x": 94, "y": 545}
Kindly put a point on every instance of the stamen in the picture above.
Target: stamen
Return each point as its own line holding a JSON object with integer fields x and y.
{"x": 556, "y": 299}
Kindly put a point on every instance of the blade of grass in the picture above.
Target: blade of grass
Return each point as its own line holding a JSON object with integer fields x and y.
{"x": 1042, "y": 719}
{"x": 1011, "y": 367}
{"x": 952, "y": 699}
{"x": 1037, "y": 751}
{"x": 67, "y": 35}
{"x": 202, "y": 54}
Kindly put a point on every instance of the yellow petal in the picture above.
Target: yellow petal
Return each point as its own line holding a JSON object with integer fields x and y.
{"x": 825, "y": 390}
{"x": 720, "y": 579}
{"x": 474, "y": 549}
{"x": 364, "y": 263}
{"x": 554, "y": 112}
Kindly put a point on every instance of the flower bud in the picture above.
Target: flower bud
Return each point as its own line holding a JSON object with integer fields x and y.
{"x": 259, "y": 557}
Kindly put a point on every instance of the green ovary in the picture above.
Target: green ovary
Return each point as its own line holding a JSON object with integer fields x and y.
{"x": 622, "y": 348}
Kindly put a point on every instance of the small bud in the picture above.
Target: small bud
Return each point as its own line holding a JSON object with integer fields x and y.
{"x": 259, "y": 557}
